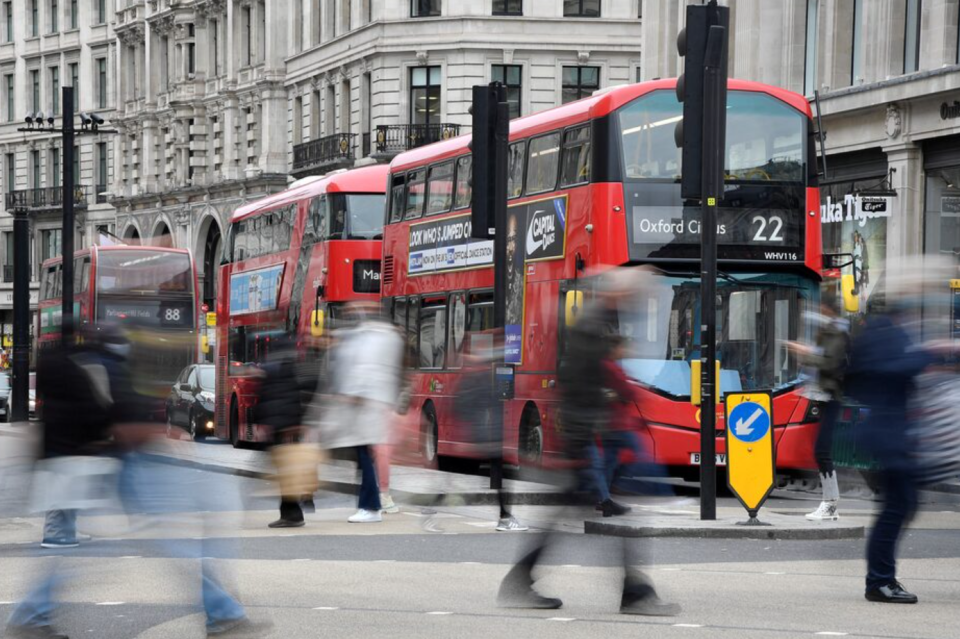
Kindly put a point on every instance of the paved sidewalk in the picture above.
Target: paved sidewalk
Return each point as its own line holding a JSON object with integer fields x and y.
{"x": 407, "y": 484}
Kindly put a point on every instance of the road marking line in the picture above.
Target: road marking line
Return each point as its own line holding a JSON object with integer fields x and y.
{"x": 774, "y": 573}
{"x": 570, "y": 566}
{"x": 439, "y": 612}
{"x": 131, "y": 557}
{"x": 828, "y": 633}
{"x": 326, "y": 608}
{"x": 384, "y": 561}
{"x": 302, "y": 559}
{"x": 561, "y": 619}
{"x": 110, "y": 603}
{"x": 688, "y": 625}
{"x": 671, "y": 569}
{"x": 7, "y": 603}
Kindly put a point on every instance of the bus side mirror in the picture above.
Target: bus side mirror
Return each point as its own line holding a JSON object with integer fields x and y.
{"x": 573, "y": 306}
{"x": 316, "y": 323}
{"x": 851, "y": 301}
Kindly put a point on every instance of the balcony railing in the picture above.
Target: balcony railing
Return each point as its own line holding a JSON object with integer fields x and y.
{"x": 44, "y": 198}
{"x": 396, "y": 138}
{"x": 324, "y": 154}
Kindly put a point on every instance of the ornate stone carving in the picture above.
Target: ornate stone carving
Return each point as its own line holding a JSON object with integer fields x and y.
{"x": 508, "y": 56}
{"x": 894, "y": 121}
{"x": 583, "y": 57}
{"x": 163, "y": 25}
{"x": 422, "y": 56}
{"x": 211, "y": 8}
{"x": 132, "y": 35}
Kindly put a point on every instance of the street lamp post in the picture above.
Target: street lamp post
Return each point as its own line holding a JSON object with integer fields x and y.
{"x": 89, "y": 125}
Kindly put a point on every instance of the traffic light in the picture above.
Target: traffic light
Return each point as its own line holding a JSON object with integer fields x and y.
{"x": 692, "y": 46}
{"x": 491, "y": 130}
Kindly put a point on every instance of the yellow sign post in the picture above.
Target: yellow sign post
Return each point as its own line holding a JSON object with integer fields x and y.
{"x": 751, "y": 459}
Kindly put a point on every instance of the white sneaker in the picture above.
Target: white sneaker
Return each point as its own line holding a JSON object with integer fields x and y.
{"x": 511, "y": 524}
{"x": 364, "y": 516}
{"x": 387, "y": 504}
{"x": 826, "y": 512}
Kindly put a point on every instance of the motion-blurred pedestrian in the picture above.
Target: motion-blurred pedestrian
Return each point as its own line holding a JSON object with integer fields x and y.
{"x": 827, "y": 363}
{"x": 79, "y": 389}
{"x": 280, "y": 408}
{"x": 162, "y": 493}
{"x": 364, "y": 385}
{"x": 480, "y": 412}
{"x": 585, "y": 410}
{"x": 884, "y": 363}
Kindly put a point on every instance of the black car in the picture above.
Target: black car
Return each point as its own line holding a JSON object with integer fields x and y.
{"x": 191, "y": 400}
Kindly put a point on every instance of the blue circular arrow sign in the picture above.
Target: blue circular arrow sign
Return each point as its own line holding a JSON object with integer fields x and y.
{"x": 748, "y": 422}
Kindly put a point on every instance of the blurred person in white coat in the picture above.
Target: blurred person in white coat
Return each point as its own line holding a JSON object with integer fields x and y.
{"x": 365, "y": 374}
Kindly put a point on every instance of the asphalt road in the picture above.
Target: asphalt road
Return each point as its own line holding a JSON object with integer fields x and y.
{"x": 139, "y": 575}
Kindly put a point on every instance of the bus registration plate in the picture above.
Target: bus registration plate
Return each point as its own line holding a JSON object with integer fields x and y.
{"x": 721, "y": 459}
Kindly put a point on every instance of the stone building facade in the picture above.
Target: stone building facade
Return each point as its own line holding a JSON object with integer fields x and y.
{"x": 45, "y": 45}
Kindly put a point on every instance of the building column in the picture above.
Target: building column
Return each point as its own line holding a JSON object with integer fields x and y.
{"x": 905, "y": 226}
{"x": 230, "y": 115}
{"x": 148, "y": 155}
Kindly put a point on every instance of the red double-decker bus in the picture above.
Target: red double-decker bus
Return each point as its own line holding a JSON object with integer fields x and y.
{"x": 595, "y": 184}
{"x": 293, "y": 259}
{"x": 151, "y": 291}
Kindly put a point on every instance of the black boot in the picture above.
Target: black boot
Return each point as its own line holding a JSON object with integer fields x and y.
{"x": 611, "y": 508}
{"x": 642, "y": 599}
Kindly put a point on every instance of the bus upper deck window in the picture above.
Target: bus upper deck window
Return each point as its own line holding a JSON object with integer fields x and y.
{"x": 397, "y": 203}
{"x": 464, "y": 182}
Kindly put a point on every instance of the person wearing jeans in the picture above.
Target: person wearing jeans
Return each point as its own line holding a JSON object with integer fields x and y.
{"x": 60, "y": 529}
{"x": 355, "y": 410}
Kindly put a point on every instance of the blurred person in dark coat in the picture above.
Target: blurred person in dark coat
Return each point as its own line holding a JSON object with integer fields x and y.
{"x": 82, "y": 398}
{"x": 884, "y": 363}
{"x": 585, "y": 412}
{"x": 280, "y": 408}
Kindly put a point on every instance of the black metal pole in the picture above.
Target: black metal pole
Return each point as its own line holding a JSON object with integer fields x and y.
{"x": 19, "y": 393}
{"x": 67, "y": 322}
{"x": 714, "y": 124}
{"x": 501, "y": 141}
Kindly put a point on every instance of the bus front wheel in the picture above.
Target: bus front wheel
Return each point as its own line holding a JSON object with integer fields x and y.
{"x": 234, "y": 424}
{"x": 531, "y": 438}
{"x": 430, "y": 437}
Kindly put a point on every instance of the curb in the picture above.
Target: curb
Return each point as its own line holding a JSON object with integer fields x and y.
{"x": 728, "y": 531}
{"x": 349, "y": 488}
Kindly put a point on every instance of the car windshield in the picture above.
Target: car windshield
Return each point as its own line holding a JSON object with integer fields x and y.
{"x": 757, "y": 315}
{"x": 207, "y": 377}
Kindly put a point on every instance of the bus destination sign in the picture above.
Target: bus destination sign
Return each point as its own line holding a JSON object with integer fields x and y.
{"x": 446, "y": 245}
{"x": 754, "y": 223}
{"x": 742, "y": 233}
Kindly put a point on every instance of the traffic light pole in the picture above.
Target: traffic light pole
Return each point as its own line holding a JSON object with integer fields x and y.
{"x": 714, "y": 125}
{"x": 19, "y": 392}
{"x": 491, "y": 138}
{"x": 67, "y": 320}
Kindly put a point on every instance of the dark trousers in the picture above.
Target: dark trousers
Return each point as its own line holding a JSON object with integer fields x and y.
{"x": 899, "y": 492}
{"x": 823, "y": 449}
{"x": 369, "y": 498}
{"x": 519, "y": 580}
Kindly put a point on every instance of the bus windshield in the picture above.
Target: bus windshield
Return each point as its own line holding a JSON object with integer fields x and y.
{"x": 143, "y": 272}
{"x": 756, "y": 315}
{"x": 766, "y": 138}
{"x": 357, "y": 216}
